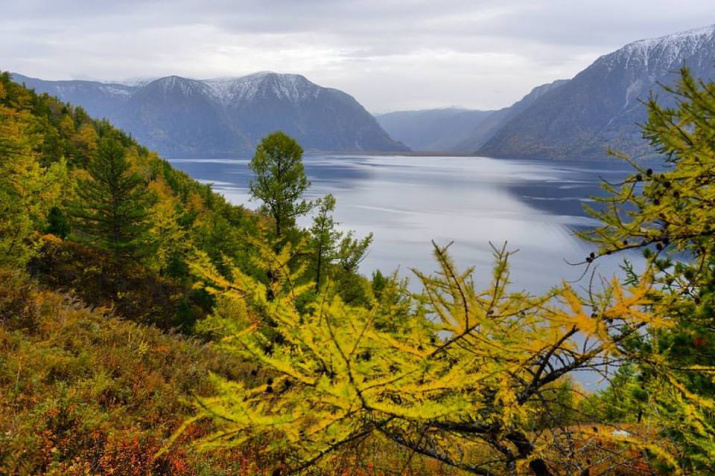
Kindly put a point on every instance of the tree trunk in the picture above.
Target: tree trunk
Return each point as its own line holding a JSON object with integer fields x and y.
{"x": 317, "y": 271}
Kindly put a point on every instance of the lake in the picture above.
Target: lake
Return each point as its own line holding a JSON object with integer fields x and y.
{"x": 406, "y": 202}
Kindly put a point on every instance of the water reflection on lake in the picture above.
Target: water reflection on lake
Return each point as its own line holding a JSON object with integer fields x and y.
{"x": 409, "y": 201}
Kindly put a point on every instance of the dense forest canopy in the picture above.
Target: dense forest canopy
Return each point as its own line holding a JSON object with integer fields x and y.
{"x": 147, "y": 326}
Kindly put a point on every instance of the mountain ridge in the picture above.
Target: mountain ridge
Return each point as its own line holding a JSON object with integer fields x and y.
{"x": 181, "y": 116}
{"x": 601, "y": 107}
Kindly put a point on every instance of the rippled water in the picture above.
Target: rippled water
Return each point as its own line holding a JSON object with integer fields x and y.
{"x": 407, "y": 202}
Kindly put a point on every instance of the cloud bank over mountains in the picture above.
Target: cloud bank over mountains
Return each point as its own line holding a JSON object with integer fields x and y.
{"x": 389, "y": 54}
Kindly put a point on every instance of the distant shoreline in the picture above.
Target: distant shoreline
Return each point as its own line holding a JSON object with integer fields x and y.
{"x": 313, "y": 153}
{"x": 417, "y": 154}
{"x": 396, "y": 153}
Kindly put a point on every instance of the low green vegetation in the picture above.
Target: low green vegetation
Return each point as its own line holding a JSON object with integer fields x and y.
{"x": 147, "y": 326}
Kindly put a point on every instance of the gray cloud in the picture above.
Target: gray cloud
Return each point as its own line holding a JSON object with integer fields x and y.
{"x": 389, "y": 54}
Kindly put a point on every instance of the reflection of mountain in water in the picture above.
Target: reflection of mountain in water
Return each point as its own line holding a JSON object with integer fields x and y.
{"x": 575, "y": 186}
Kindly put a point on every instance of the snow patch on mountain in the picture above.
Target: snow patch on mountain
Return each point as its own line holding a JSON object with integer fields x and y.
{"x": 602, "y": 106}
{"x": 116, "y": 90}
{"x": 136, "y": 82}
{"x": 664, "y": 52}
{"x": 172, "y": 84}
{"x": 292, "y": 87}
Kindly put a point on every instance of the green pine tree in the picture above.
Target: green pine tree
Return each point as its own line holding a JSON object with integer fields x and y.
{"x": 112, "y": 211}
{"x": 57, "y": 223}
{"x": 280, "y": 180}
{"x": 331, "y": 246}
{"x": 324, "y": 238}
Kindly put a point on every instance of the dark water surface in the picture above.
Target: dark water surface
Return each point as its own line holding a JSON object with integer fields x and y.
{"x": 406, "y": 202}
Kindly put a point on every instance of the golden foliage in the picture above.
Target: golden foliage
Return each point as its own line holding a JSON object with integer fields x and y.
{"x": 463, "y": 379}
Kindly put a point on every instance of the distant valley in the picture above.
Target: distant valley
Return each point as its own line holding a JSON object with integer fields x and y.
{"x": 452, "y": 129}
{"x": 433, "y": 130}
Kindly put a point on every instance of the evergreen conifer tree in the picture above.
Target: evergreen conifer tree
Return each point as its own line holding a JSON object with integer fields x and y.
{"x": 280, "y": 180}
{"x": 57, "y": 223}
{"x": 332, "y": 246}
{"x": 324, "y": 239}
{"x": 112, "y": 211}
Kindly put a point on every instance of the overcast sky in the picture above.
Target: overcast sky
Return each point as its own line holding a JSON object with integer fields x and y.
{"x": 389, "y": 54}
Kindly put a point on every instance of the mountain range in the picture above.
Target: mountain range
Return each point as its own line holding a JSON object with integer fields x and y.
{"x": 181, "y": 117}
{"x": 600, "y": 108}
{"x": 581, "y": 118}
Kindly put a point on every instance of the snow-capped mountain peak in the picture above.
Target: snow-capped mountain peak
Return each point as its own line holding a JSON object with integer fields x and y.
{"x": 177, "y": 84}
{"x": 291, "y": 87}
{"x": 666, "y": 52}
{"x": 679, "y": 38}
{"x": 602, "y": 106}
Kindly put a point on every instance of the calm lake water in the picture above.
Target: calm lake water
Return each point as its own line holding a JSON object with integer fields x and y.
{"x": 534, "y": 206}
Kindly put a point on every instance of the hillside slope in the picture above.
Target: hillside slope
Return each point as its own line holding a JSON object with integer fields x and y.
{"x": 495, "y": 121}
{"x": 85, "y": 392}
